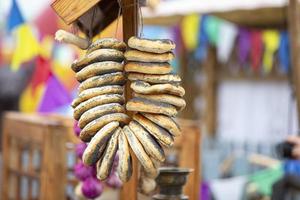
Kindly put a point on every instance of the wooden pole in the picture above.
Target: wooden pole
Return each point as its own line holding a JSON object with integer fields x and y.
{"x": 293, "y": 13}
{"x": 210, "y": 92}
{"x": 130, "y": 28}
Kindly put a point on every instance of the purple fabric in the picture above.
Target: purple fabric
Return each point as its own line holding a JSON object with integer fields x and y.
{"x": 205, "y": 192}
{"x": 244, "y": 45}
{"x": 79, "y": 149}
{"x": 82, "y": 172}
{"x": 54, "y": 97}
{"x": 92, "y": 188}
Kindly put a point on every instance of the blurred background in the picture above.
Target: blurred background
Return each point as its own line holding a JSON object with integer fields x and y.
{"x": 235, "y": 60}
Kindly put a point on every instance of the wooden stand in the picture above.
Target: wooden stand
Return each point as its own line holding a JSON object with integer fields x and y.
{"x": 45, "y": 137}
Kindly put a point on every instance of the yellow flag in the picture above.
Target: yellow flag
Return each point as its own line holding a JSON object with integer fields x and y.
{"x": 30, "y": 101}
{"x": 189, "y": 31}
{"x": 27, "y": 46}
{"x": 271, "y": 42}
{"x": 46, "y": 46}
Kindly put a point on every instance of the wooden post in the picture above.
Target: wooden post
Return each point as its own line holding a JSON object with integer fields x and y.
{"x": 210, "y": 92}
{"x": 293, "y": 13}
{"x": 130, "y": 28}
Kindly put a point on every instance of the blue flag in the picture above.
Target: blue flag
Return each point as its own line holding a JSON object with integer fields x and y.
{"x": 15, "y": 17}
{"x": 284, "y": 52}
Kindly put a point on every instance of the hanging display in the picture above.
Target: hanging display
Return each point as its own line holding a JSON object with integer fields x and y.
{"x": 101, "y": 109}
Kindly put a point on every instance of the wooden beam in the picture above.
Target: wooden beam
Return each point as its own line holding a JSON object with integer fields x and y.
{"x": 294, "y": 31}
{"x": 130, "y": 28}
{"x": 210, "y": 92}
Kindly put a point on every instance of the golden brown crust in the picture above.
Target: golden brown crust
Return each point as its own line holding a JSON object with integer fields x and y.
{"x": 150, "y": 145}
{"x": 139, "y": 151}
{"x": 91, "y": 128}
{"x": 165, "y": 122}
{"x": 97, "y": 101}
{"x": 104, "y": 166}
{"x": 97, "y": 145}
{"x": 164, "y": 98}
{"x": 148, "y": 68}
{"x": 99, "y": 111}
{"x": 107, "y": 43}
{"x": 99, "y": 68}
{"x": 142, "y": 87}
{"x": 93, "y": 92}
{"x": 154, "y": 78}
{"x": 116, "y": 78}
{"x": 149, "y": 106}
{"x": 156, "y": 131}
{"x": 98, "y": 55}
{"x": 150, "y": 45}
{"x": 135, "y": 55}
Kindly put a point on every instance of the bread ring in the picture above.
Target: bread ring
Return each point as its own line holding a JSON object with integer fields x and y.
{"x": 91, "y": 128}
{"x": 150, "y": 45}
{"x": 97, "y": 101}
{"x": 149, "y": 143}
{"x": 116, "y": 78}
{"x": 135, "y": 55}
{"x": 92, "y": 92}
{"x": 99, "y": 111}
{"x": 166, "y": 88}
{"x": 98, "y": 68}
{"x": 149, "y": 106}
{"x": 98, "y": 55}
{"x": 165, "y": 122}
{"x": 176, "y": 101}
{"x": 156, "y": 131}
{"x": 104, "y": 166}
{"x": 97, "y": 144}
{"x": 107, "y": 43}
{"x": 154, "y": 78}
{"x": 148, "y": 68}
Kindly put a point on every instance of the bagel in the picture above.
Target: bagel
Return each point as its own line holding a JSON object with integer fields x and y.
{"x": 107, "y": 43}
{"x": 148, "y": 68}
{"x": 98, "y": 55}
{"x": 97, "y": 101}
{"x": 99, "y": 111}
{"x": 154, "y": 78}
{"x": 104, "y": 166}
{"x": 156, "y": 131}
{"x": 98, "y": 68}
{"x": 124, "y": 168}
{"x": 116, "y": 78}
{"x": 150, "y": 145}
{"x": 135, "y": 55}
{"x": 142, "y": 87}
{"x": 150, "y": 45}
{"x": 91, "y": 128}
{"x": 149, "y": 106}
{"x": 92, "y": 92}
{"x": 139, "y": 151}
{"x": 165, "y": 122}
{"x": 95, "y": 148}
{"x": 176, "y": 101}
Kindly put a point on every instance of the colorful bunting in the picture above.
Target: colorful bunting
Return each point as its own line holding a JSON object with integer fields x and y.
{"x": 211, "y": 26}
{"x": 15, "y": 17}
{"x": 201, "y": 50}
{"x": 244, "y": 45}
{"x": 41, "y": 73}
{"x": 256, "y": 49}
{"x": 284, "y": 52}
{"x": 27, "y": 46}
{"x": 189, "y": 28}
{"x": 271, "y": 42}
{"x": 228, "y": 33}
{"x": 28, "y": 101}
{"x": 55, "y": 96}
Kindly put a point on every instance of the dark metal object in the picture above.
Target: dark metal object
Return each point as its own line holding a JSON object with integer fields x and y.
{"x": 284, "y": 150}
{"x": 170, "y": 182}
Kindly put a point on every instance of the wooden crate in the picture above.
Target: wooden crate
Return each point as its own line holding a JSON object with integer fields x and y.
{"x": 48, "y": 137}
